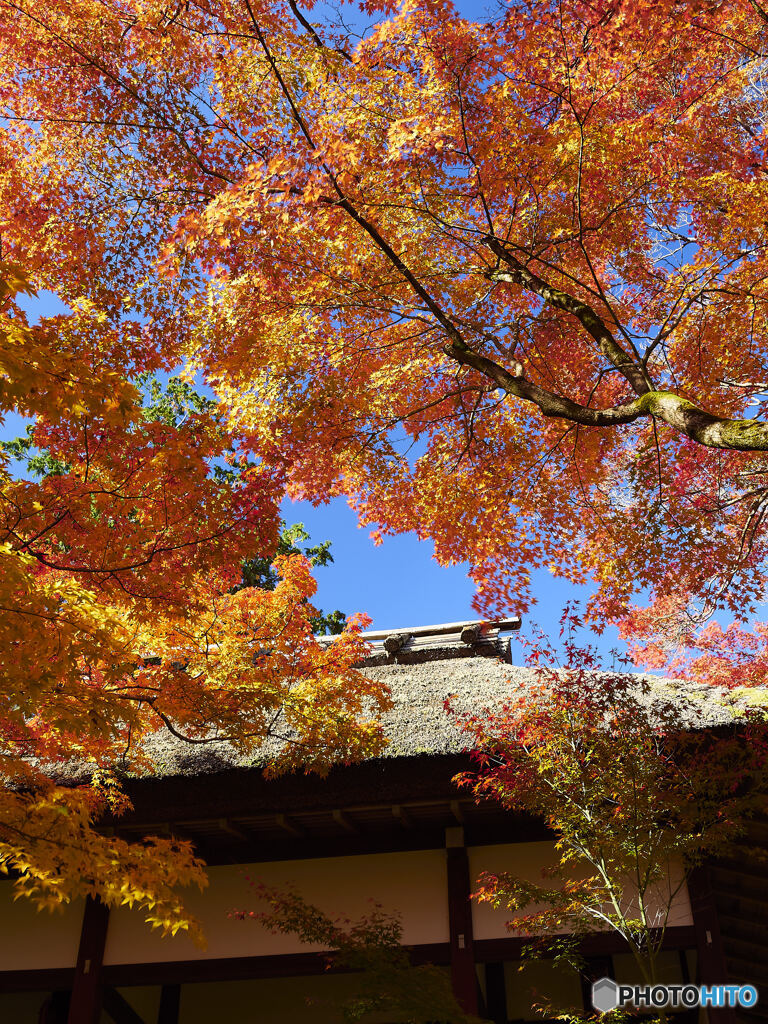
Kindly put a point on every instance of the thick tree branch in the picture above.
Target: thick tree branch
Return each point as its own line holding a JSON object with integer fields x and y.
{"x": 514, "y": 383}
{"x": 702, "y": 427}
{"x": 635, "y": 374}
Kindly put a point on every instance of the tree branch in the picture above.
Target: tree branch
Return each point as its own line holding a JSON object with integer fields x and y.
{"x": 635, "y": 374}
{"x": 310, "y": 29}
{"x": 702, "y": 427}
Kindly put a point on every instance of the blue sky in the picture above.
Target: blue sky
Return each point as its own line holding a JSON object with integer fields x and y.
{"x": 400, "y": 584}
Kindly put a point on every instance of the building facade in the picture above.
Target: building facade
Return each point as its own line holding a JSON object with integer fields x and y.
{"x": 395, "y": 830}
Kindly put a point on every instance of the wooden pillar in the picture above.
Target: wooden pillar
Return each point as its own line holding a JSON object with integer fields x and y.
{"x": 55, "y": 1008}
{"x": 710, "y": 954}
{"x": 170, "y": 998}
{"x": 85, "y": 1003}
{"x": 463, "y": 974}
{"x": 595, "y": 967}
{"x": 495, "y": 993}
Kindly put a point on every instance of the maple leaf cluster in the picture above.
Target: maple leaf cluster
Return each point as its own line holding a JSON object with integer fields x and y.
{"x": 122, "y": 615}
{"x": 383, "y": 979}
{"x": 500, "y": 283}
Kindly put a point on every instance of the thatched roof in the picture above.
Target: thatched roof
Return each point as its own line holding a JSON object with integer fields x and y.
{"x": 418, "y": 724}
{"x": 471, "y": 665}
{"x": 222, "y": 801}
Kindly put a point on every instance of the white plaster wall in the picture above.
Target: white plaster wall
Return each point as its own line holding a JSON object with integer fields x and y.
{"x": 526, "y": 860}
{"x": 680, "y": 911}
{"x": 33, "y": 940}
{"x": 522, "y": 859}
{"x": 413, "y": 883}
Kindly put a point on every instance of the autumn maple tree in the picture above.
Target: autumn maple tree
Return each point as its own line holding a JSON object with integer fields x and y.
{"x": 500, "y": 281}
{"x": 384, "y": 981}
{"x": 638, "y": 786}
{"x": 123, "y": 612}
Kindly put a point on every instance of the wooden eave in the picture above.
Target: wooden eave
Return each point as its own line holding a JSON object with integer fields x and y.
{"x": 377, "y": 806}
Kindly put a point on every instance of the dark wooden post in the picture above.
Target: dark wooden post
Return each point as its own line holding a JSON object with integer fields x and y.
{"x": 495, "y": 993}
{"x": 710, "y": 954}
{"x": 55, "y": 1008}
{"x": 463, "y": 975}
{"x": 170, "y": 997}
{"x": 85, "y": 1004}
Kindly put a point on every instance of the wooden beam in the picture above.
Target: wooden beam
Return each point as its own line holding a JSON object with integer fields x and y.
{"x": 471, "y": 633}
{"x": 228, "y": 826}
{"x": 599, "y": 944}
{"x": 287, "y": 825}
{"x": 85, "y": 1004}
{"x": 175, "y": 830}
{"x": 395, "y": 642}
{"x": 402, "y": 815}
{"x": 170, "y": 1000}
{"x": 197, "y": 829}
{"x": 440, "y": 629}
{"x": 463, "y": 973}
{"x": 342, "y": 819}
{"x": 119, "y": 1009}
{"x": 286, "y": 965}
